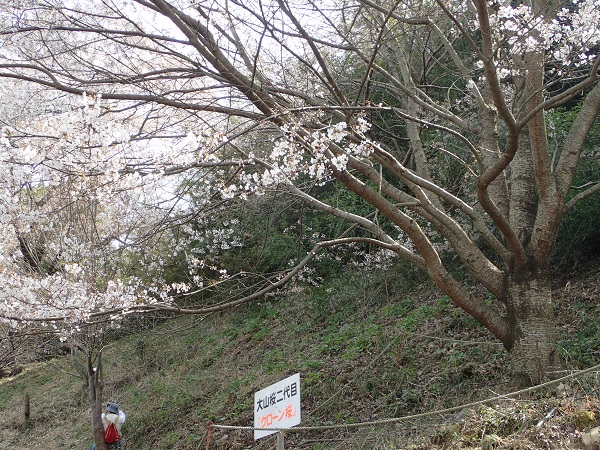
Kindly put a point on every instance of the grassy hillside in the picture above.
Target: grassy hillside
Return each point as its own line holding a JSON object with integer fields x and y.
{"x": 367, "y": 348}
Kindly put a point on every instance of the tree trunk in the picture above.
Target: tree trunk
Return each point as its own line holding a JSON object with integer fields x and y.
{"x": 531, "y": 318}
{"x": 99, "y": 436}
{"x": 92, "y": 380}
{"x": 94, "y": 392}
{"x": 97, "y": 425}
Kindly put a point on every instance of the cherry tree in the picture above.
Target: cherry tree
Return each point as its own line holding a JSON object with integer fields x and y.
{"x": 380, "y": 97}
{"x": 90, "y": 203}
{"x": 65, "y": 230}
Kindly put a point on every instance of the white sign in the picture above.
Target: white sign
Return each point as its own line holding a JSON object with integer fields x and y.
{"x": 277, "y": 406}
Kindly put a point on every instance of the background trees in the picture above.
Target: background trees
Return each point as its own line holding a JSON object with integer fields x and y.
{"x": 435, "y": 115}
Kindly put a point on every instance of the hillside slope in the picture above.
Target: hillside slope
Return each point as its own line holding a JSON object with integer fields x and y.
{"x": 367, "y": 351}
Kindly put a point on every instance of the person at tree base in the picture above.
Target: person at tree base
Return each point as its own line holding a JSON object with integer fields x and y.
{"x": 112, "y": 419}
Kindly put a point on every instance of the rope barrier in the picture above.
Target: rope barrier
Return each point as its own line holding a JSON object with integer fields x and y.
{"x": 420, "y": 415}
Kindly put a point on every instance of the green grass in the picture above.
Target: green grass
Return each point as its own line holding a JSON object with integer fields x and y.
{"x": 361, "y": 357}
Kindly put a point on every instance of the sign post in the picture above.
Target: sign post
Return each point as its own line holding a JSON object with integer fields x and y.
{"x": 277, "y": 406}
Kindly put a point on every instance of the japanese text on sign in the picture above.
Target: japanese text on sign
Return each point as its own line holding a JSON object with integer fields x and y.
{"x": 277, "y": 406}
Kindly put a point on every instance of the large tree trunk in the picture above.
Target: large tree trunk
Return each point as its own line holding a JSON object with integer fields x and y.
{"x": 532, "y": 325}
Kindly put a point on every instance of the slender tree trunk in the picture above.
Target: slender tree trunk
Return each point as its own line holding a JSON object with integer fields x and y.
{"x": 92, "y": 384}
{"x": 91, "y": 373}
{"x": 531, "y": 317}
{"x": 94, "y": 388}
{"x": 98, "y": 429}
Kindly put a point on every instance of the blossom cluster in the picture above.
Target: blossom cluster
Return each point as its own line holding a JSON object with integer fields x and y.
{"x": 317, "y": 154}
{"x": 569, "y": 36}
{"x": 77, "y": 193}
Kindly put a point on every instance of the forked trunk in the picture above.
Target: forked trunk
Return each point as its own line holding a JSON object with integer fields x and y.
{"x": 533, "y": 349}
{"x": 93, "y": 385}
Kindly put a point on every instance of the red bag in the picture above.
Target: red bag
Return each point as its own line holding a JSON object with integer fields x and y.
{"x": 111, "y": 434}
